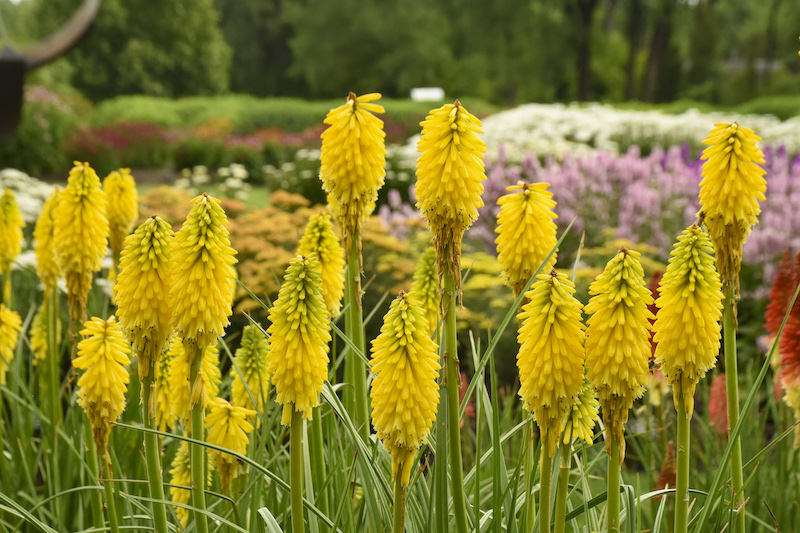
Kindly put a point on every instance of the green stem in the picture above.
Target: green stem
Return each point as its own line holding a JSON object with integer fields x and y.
{"x": 53, "y": 388}
{"x": 152, "y": 452}
{"x": 682, "y": 479}
{"x": 544, "y": 486}
{"x": 111, "y": 502}
{"x": 613, "y": 482}
{"x": 296, "y": 471}
{"x": 478, "y": 431}
{"x": 399, "y": 502}
{"x": 318, "y": 462}
{"x": 530, "y": 457}
{"x": 354, "y": 366}
{"x": 91, "y": 460}
{"x": 441, "y": 514}
{"x": 198, "y": 453}
{"x": 732, "y": 385}
{"x": 563, "y": 487}
{"x": 453, "y": 421}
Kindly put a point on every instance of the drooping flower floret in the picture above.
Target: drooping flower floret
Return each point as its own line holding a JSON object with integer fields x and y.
{"x": 687, "y": 328}
{"x": 185, "y": 394}
{"x": 526, "y": 232}
{"x": 122, "y": 209}
{"x": 143, "y": 291}
{"x": 405, "y": 395}
{"x": 103, "y": 353}
{"x": 425, "y": 288}
{"x": 251, "y": 360}
{"x": 353, "y": 160}
{"x": 320, "y": 239}
{"x": 299, "y": 337}
{"x": 551, "y": 354}
{"x": 228, "y": 427}
{"x": 10, "y": 326}
{"x": 618, "y": 338}
{"x": 44, "y": 244}
{"x": 583, "y": 416}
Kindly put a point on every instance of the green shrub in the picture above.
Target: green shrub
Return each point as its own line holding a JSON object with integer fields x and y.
{"x": 781, "y": 106}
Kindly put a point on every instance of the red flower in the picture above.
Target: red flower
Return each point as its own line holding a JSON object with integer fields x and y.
{"x": 718, "y": 405}
{"x": 781, "y": 294}
{"x": 668, "y": 471}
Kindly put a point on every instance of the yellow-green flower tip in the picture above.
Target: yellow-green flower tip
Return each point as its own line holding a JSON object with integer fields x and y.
{"x": 204, "y": 279}
{"x": 583, "y": 416}
{"x": 47, "y": 266}
{"x": 251, "y": 360}
{"x": 143, "y": 291}
{"x": 405, "y": 395}
{"x": 81, "y": 234}
{"x": 425, "y": 288}
{"x": 11, "y": 225}
{"x": 299, "y": 337}
{"x": 731, "y": 187}
{"x": 687, "y": 327}
{"x": 228, "y": 427}
{"x": 103, "y": 353}
{"x": 526, "y": 232}
{"x": 551, "y": 353}
{"x": 163, "y": 391}
{"x": 618, "y": 338}
{"x": 352, "y": 162}
{"x": 122, "y": 208}
{"x": 450, "y": 175}
{"x": 319, "y": 239}
{"x": 185, "y": 394}
{"x": 10, "y": 326}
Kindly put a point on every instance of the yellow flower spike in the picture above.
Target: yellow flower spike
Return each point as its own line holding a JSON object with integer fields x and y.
{"x": 526, "y": 232}
{"x": 319, "y": 239}
{"x": 122, "y": 210}
{"x": 10, "y": 326}
{"x": 163, "y": 391}
{"x": 618, "y": 338}
{"x": 251, "y": 358}
{"x": 450, "y": 172}
{"x": 143, "y": 290}
{"x": 181, "y": 481}
{"x": 47, "y": 266}
{"x": 299, "y": 337}
{"x": 11, "y": 225}
{"x": 425, "y": 288}
{"x": 551, "y": 354}
{"x": 732, "y": 185}
{"x": 103, "y": 353}
{"x": 81, "y": 235}
{"x": 583, "y": 416}
{"x": 38, "y": 334}
{"x": 687, "y": 328}
{"x": 405, "y": 394}
{"x": 352, "y": 163}
{"x": 204, "y": 279}
{"x": 184, "y": 394}
{"x": 228, "y": 427}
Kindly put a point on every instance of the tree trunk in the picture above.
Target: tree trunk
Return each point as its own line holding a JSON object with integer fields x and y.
{"x": 771, "y": 35}
{"x": 635, "y": 25}
{"x": 658, "y": 49}
{"x": 584, "y": 11}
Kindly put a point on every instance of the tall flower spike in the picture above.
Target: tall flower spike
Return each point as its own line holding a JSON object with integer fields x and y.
{"x": 163, "y": 391}
{"x": 228, "y": 427}
{"x": 551, "y": 353}
{"x": 582, "y": 418}
{"x": 38, "y": 334}
{"x": 781, "y": 293}
{"x": 47, "y": 266}
{"x": 103, "y": 353}
{"x": 526, "y": 232}
{"x": 352, "y": 163}
{"x": 425, "y": 288}
{"x": 405, "y": 395}
{"x": 11, "y": 225}
{"x": 143, "y": 290}
{"x": 732, "y": 185}
{"x": 300, "y": 333}
{"x": 182, "y": 391}
{"x": 319, "y": 239}
{"x": 10, "y": 326}
{"x": 251, "y": 359}
{"x": 450, "y": 172}
{"x": 81, "y": 235}
{"x": 122, "y": 210}
{"x": 618, "y": 338}
{"x": 687, "y": 328}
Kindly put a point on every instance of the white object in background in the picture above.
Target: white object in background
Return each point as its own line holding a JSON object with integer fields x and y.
{"x": 427, "y": 94}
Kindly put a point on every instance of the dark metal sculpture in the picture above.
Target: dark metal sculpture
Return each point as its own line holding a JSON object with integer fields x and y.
{"x": 14, "y": 65}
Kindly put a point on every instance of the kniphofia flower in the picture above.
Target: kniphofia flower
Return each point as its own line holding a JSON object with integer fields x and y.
{"x": 352, "y": 163}
{"x": 299, "y": 337}
{"x": 251, "y": 360}
{"x": 143, "y": 291}
{"x": 228, "y": 427}
{"x": 551, "y": 353}
{"x": 180, "y": 472}
{"x": 405, "y": 395}
{"x": 526, "y": 232}
{"x": 425, "y": 288}
{"x": 718, "y": 405}
{"x": 44, "y": 246}
{"x": 687, "y": 328}
{"x": 163, "y": 391}
{"x": 450, "y": 175}
{"x": 10, "y": 326}
{"x": 618, "y": 338}
{"x": 781, "y": 293}
{"x": 583, "y": 416}
{"x": 38, "y": 335}
{"x": 103, "y": 353}
{"x": 185, "y": 394}
{"x": 319, "y": 239}
{"x": 81, "y": 234}
{"x": 11, "y": 225}
{"x": 122, "y": 209}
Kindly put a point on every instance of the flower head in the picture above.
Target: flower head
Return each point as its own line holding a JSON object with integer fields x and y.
{"x": 618, "y": 338}
{"x": 300, "y": 333}
{"x": 319, "y": 239}
{"x": 450, "y": 172}
{"x": 122, "y": 208}
{"x": 526, "y": 232}
{"x": 38, "y": 335}
{"x": 425, "y": 288}
{"x": 47, "y": 266}
{"x": 185, "y": 394}
{"x": 781, "y": 293}
{"x": 551, "y": 353}
{"x": 103, "y": 353}
{"x": 10, "y": 326}
{"x": 718, "y": 405}
{"x": 582, "y": 418}
{"x": 11, "y": 225}
{"x": 687, "y": 328}
{"x": 353, "y": 160}
{"x": 228, "y": 427}
{"x": 405, "y": 395}
{"x": 251, "y": 359}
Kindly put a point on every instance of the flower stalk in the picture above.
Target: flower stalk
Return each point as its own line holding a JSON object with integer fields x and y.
{"x": 682, "y": 478}
{"x": 544, "y": 487}
{"x": 613, "y": 480}
{"x": 732, "y": 389}
{"x": 296, "y": 470}
{"x": 563, "y": 487}
{"x": 399, "y": 523}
